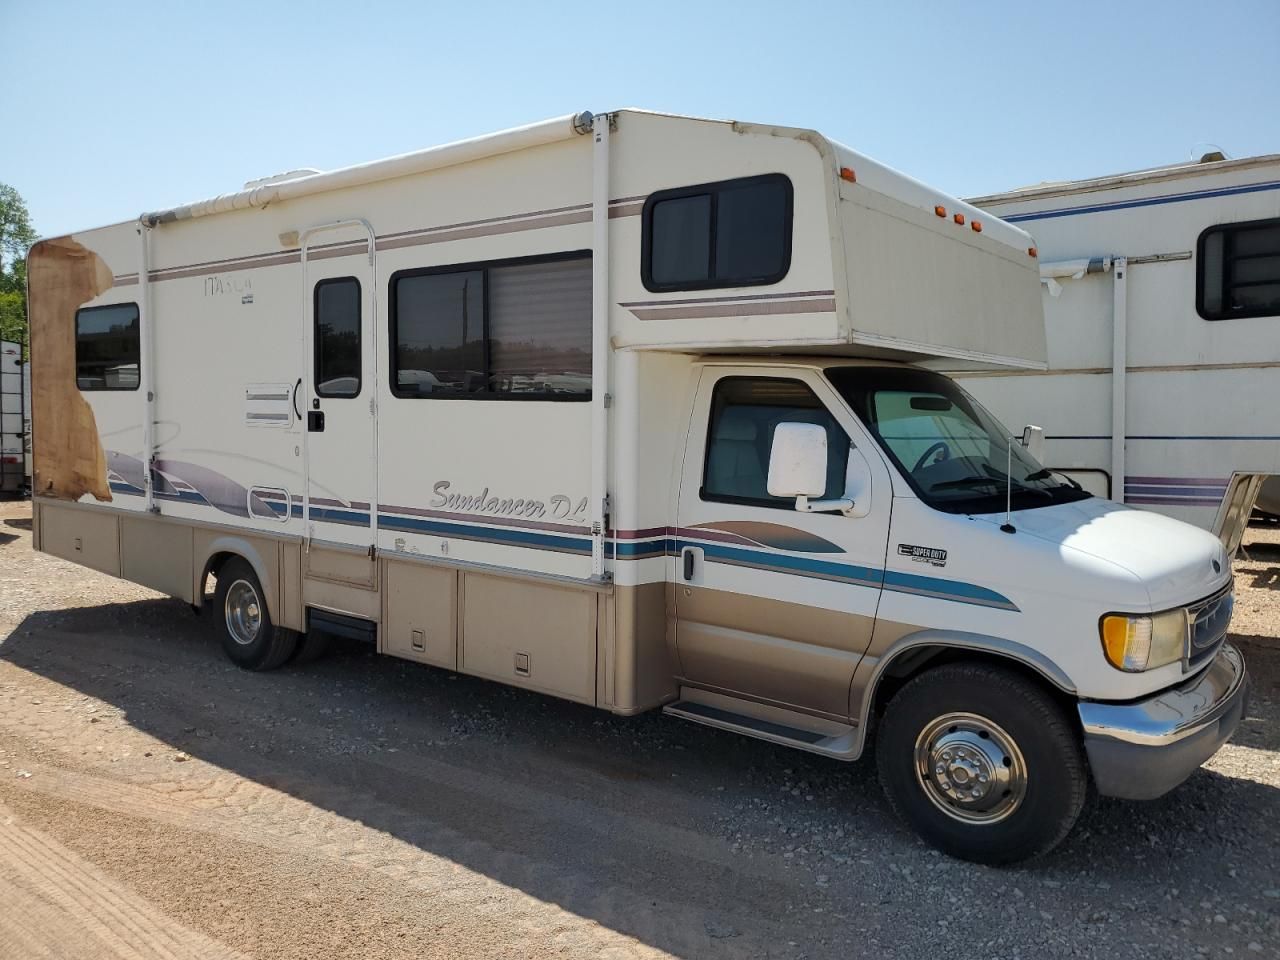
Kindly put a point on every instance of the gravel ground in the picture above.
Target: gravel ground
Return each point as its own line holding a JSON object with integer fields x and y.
{"x": 157, "y": 802}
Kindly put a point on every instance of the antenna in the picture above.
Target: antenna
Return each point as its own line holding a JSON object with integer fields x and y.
{"x": 1008, "y": 526}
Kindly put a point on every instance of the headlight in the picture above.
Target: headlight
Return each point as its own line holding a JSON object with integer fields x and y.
{"x": 1134, "y": 644}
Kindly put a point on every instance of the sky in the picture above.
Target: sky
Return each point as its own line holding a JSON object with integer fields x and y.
{"x": 118, "y": 107}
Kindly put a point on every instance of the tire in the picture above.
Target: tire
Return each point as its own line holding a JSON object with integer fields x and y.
{"x": 311, "y": 647}
{"x": 979, "y": 720}
{"x": 243, "y": 623}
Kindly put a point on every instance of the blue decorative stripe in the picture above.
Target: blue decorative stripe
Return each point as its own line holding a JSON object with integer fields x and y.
{"x": 1174, "y": 490}
{"x": 872, "y": 577}
{"x": 508, "y": 537}
{"x": 1145, "y": 202}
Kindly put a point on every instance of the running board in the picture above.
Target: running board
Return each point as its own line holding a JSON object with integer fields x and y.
{"x": 775, "y": 724}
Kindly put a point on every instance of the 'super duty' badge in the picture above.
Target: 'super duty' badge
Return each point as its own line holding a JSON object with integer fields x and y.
{"x": 932, "y": 555}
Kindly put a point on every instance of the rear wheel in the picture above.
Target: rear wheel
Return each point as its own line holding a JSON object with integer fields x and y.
{"x": 982, "y": 762}
{"x": 244, "y": 625}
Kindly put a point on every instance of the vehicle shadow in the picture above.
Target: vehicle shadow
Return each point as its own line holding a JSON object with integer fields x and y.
{"x": 19, "y": 523}
{"x": 614, "y": 819}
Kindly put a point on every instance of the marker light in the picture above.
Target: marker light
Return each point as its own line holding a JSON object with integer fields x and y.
{"x": 1137, "y": 643}
{"x": 959, "y": 218}
{"x": 976, "y": 225}
{"x": 846, "y": 173}
{"x": 940, "y": 210}
{"x": 1032, "y": 252}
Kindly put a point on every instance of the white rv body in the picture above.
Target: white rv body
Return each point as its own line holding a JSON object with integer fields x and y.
{"x": 554, "y": 496}
{"x": 1145, "y": 400}
{"x": 13, "y": 429}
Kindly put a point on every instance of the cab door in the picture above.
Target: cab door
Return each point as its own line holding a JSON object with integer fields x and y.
{"x": 340, "y": 373}
{"x": 773, "y": 604}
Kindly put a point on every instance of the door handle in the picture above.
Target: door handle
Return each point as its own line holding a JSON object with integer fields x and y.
{"x": 315, "y": 421}
{"x": 689, "y": 558}
{"x": 296, "y": 387}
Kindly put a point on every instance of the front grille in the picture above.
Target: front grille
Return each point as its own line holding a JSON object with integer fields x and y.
{"x": 1208, "y": 621}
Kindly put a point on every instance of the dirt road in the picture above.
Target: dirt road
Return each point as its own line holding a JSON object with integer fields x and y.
{"x": 155, "y": 801}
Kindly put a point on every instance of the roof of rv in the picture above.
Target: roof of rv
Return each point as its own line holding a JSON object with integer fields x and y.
{"x": 262, "y": 191}
{"x": 1173, "y": 171}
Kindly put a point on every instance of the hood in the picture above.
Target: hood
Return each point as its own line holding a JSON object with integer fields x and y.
{"x": 1178, "y": 563}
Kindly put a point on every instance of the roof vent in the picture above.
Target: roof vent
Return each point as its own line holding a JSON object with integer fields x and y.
{"x": 282, "y": 177}
{"x": 1205, "y": 152}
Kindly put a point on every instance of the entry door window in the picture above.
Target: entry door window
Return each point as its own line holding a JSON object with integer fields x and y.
{"x": 744, "y": 413}
{"x": 337, "y": 337}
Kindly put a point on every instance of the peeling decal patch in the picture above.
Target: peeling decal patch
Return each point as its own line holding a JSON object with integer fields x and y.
{"x": 68, "y": 459}
{"x": 935, "y": 556}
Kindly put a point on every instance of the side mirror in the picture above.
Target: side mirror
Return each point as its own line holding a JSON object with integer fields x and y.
{"x": 798, "y": 461}
{"x": 1033, "y": 441}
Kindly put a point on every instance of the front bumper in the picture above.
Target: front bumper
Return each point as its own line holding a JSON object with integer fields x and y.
{"x": 1142, "y": 750}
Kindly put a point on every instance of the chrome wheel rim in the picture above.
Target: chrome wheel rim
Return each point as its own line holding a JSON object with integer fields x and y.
{"x": 243, "y": 612}
{"x": 970, "y": 768}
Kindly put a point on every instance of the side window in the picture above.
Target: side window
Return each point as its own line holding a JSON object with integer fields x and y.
{"x": 337, "y": 337}
{"x": 504, "y": 330}
{"x": 1238, "y": 270}
{"x": 107, "y": 347}
{"x": 735, "y": 233}
{"x": 744, "y": 413}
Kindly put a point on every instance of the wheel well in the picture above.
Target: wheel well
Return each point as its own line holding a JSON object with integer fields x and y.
{"x": 914, "y": 661}
{"x": 211, "y": 568}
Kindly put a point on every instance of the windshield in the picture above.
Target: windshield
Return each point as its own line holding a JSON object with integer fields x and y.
{"x": 952, "y": 451}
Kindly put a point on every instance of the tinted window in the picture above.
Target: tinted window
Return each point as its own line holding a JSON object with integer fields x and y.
{"x": 736, "y": 233}
{"x": 337, "y": 337}
{"x": 744, "y": 413}
{"x": 517, "y": 329}
{"x": 439, "y": 344}
{"x": 1238, "y": 272}
{"x": 107, "y": 347}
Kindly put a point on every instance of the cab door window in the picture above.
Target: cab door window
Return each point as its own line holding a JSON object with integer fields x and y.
{"x": 744, "y": 413}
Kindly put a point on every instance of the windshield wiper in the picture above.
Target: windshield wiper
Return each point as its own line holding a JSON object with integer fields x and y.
{"x": 964, "y": 482}
{"x": 1045, "y": 473}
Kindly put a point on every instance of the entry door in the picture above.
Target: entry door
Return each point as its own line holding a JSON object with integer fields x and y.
{"x": 340, "y": 382}
{"x": 773, "y": 604}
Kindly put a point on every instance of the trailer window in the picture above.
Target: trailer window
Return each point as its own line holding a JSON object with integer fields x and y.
{"x": 513, "y": 329}
{"x": 1238, "y": 271}
{"x": 337, "y": 337}
{"x": 736, "y": 233}
{"x": 744, "y": 413}
{"x": 107, "y": 347}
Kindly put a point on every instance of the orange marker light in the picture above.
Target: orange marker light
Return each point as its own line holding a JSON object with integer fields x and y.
{"x": 976, "y": 225}
{"x": 959, "y": 218}
{"x": 846, "y": 173}
{"x": 1032, "y": 252}
{"x": 940, "y": 211}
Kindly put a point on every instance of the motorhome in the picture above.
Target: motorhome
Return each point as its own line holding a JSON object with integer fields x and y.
{"x": 1161, "y": 298}
{"x": 13, "y": 431}
{"x": 631, "y": 409}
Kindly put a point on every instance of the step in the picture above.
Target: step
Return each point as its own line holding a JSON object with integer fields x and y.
{"x": 775, "y": 724}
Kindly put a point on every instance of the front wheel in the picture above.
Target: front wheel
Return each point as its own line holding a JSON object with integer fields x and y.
{"x": 982, "y": 762}
{"x": 244, "y": 625}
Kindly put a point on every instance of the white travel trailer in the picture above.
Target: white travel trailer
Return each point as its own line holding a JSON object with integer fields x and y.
{"x": 624, "y": 409}
{"x": 1162, "y": 294}
{"x": 13, "y": 432}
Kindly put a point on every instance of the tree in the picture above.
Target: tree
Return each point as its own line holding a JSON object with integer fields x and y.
{"x": 16, "y": 237}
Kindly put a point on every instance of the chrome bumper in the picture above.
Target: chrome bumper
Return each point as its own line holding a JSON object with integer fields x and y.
{"x": 1142, "y": 750}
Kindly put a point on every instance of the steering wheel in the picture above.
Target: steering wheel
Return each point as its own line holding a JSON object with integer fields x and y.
{"x": 939, "y": 447}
